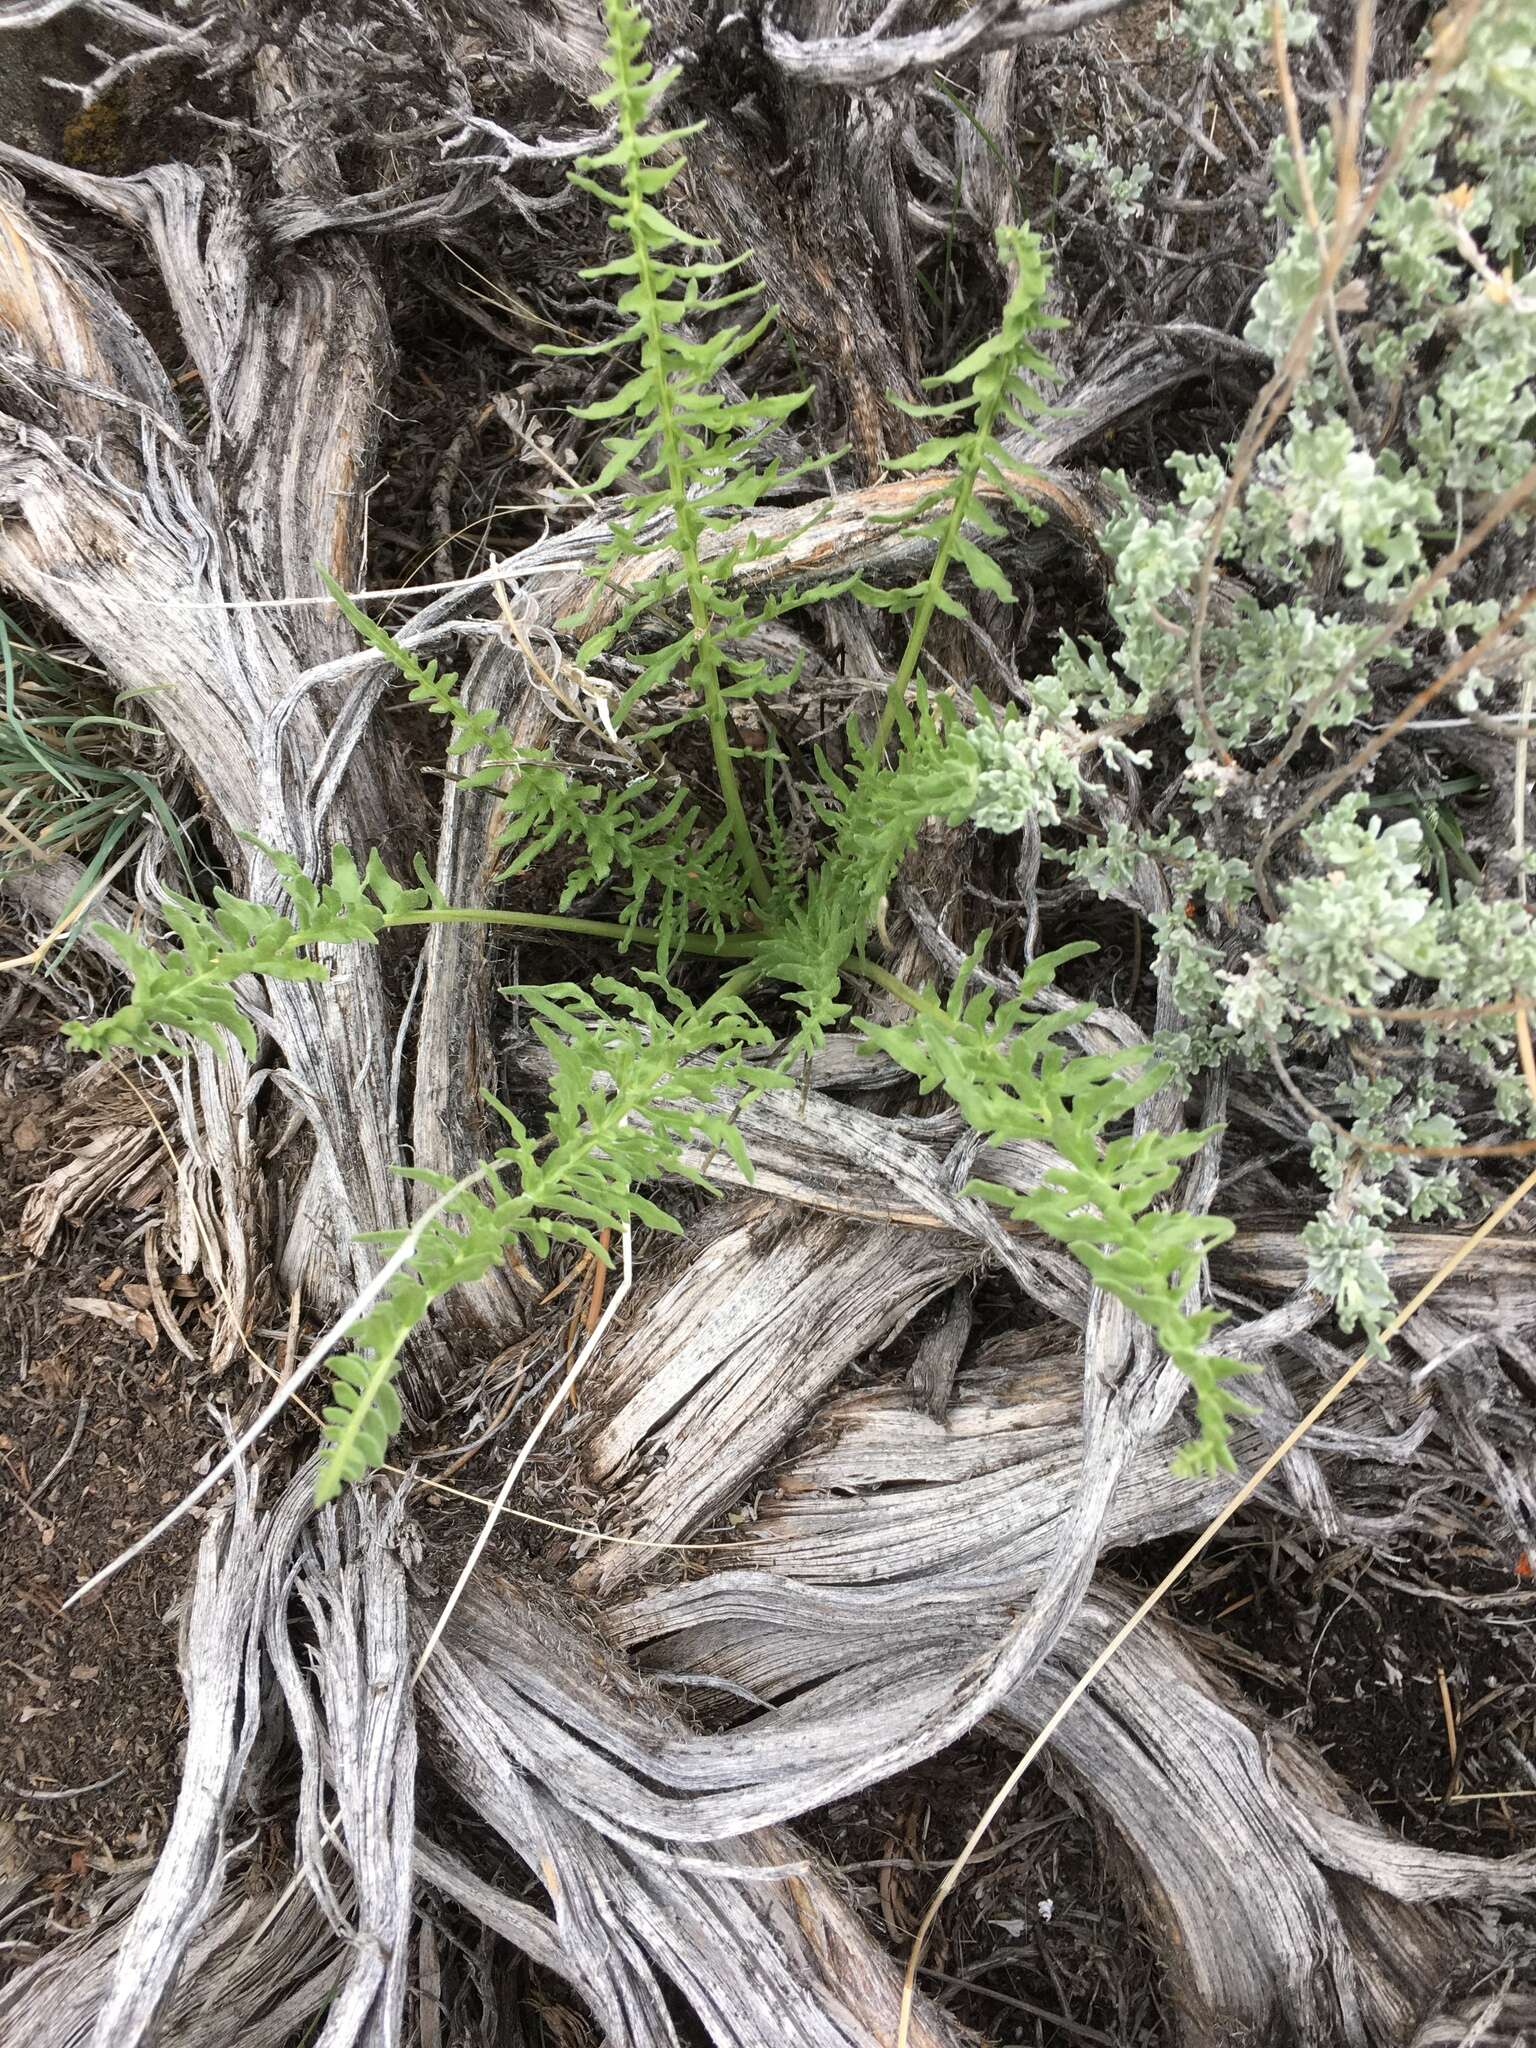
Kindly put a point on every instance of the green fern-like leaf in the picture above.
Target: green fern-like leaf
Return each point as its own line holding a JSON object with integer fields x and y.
{"x": 636, "y": 1080}
{"x": 1001, "y": 1064}
{"x": 874, "y": 813}
{"x": 684, "y": 450}
{"x": 672, "y": 872}
{"x": 188, "y": 987}
{"x": 878, "y": 806}
{"x": 996, "y": 394}
{"x": 875, "y": 810}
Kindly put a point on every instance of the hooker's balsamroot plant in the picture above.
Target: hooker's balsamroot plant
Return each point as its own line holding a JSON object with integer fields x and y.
{"x": 642, "y": 1071}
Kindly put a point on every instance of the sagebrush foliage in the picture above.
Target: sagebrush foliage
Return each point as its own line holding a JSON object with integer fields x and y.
{"x": 1390, "y": 895}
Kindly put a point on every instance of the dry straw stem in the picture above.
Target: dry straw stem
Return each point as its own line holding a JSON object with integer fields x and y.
{"x": 1165, "y": 1585}
{"x": 1502, "y": 506}
{"x": 1273, "y": 402}
{"x": 525, "y": 1452}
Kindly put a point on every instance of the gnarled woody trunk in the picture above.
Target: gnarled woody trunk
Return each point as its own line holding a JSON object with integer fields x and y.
{"x": 159, "y": 551}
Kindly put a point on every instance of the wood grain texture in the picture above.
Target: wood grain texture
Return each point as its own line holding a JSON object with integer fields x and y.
{"x": 135, "y": 539}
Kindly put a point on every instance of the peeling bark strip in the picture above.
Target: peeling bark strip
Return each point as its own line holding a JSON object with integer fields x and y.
{"x": 221, "y": 1675}
{"x": 452, "y": 1130}
{"x": 359, "y": 1746}
{"x": 856, "y": 62}
{"x": 147, "y": 548}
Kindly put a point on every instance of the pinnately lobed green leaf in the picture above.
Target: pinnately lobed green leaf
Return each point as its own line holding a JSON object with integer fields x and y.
{"x": 690, "y": 457}
{"x": 1002, "y": 1066}
{"x": 671, "y": 869}
{"x": 998, "y": 380}
{"x": 637, "y": 1078}
{"x": 188, "y": 987}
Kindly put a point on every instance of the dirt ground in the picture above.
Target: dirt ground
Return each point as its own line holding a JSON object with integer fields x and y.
{"x": 101, "y": 1423}
{"x": 1412, "y": 1671}
{"x": 1035, "y": 1945}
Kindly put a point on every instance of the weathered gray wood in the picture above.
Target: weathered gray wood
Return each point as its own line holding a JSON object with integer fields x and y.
{"x": 1282, "y": 1903}
{"x": 727, "y": 1349}
{"x": 150, "y": 550}
{"x": 1502, "y": 2017}
{"x": 260, "y": 1968}
{"x": 550, "y": 1736}
{"x": 1284, "y": 1908}
{"x": 452, "y": 1130}
{"x": 352, "y": 1586}
{"x": 221, "y": 1678}
{"x": 856, "y": 62}
{"x": 932, "y": 1377}
{"x": 531, "y": 1932}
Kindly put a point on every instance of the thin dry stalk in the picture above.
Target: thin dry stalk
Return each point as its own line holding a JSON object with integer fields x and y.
{"x": 1451, "y": 673}
{"x": 1273, "y": 402}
